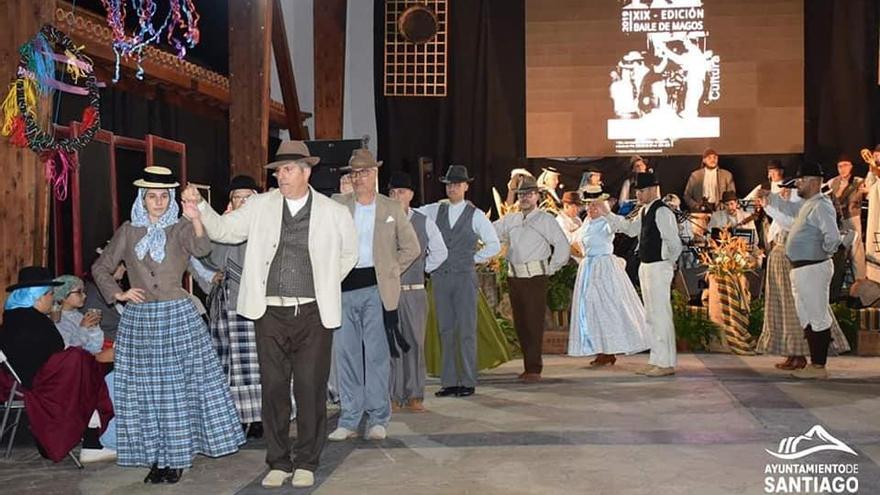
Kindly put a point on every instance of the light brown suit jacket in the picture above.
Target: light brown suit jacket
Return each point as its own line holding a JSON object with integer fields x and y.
{"x": 395, "y": 245}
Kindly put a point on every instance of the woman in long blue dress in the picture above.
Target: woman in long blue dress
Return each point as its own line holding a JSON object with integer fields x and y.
{"x": 607, "y": 316}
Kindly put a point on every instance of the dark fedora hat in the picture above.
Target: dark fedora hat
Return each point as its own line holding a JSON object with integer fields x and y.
{"x": 527, "y": 184}
{"x": 400, "y": 180}
{"x": 456, "y": 174}
{"x": 645, "y": 180}
{"x": 728, "y": 196}
{"x": 33, "y": 276}
{"x": 810, "y": 169}
{"x": 243, "y": 182}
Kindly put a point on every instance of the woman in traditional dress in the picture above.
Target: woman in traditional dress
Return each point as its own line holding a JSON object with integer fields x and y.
{"x": 607, "y": 316}
{"x": 172, "y": 400}
{"x": 233, "y": 335}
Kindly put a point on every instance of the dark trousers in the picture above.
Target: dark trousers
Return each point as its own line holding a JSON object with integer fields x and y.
{"x": 292, "y": 340}
{"x": 528, "y": 297}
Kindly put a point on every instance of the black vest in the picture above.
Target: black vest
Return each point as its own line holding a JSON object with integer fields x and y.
{"x": 650, "y": 242}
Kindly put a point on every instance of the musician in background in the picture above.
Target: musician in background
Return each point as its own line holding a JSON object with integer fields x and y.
{"x": 847, "y": 193}
{"x": 872, "y": 189}
{"x": 706, "y": 185}
{"x": 731, "y": 216}
{"x": 627, "y": 198}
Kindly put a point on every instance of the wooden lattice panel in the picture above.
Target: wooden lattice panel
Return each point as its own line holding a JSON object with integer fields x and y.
{"x": 415, "y": 69}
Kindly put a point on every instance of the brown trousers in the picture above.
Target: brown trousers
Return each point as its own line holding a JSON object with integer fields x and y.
{"x": 528, "y": 297}
{"x": 292, "y": 342}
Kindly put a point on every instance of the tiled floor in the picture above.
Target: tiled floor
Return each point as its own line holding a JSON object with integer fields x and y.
{"x": 703, "y": 431}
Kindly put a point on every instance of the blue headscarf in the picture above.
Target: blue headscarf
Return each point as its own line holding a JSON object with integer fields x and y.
{"x": 154, "y": 241}
{"x": 25, "y": 297}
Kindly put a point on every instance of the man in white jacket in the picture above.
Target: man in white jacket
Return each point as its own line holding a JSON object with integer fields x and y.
{"x": 301, "y": 244}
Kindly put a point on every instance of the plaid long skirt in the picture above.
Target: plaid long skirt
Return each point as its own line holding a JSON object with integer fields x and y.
{"x": 782, "y": 333}
{"x": 236, "y": 346}
{"x": 171, "y": 399}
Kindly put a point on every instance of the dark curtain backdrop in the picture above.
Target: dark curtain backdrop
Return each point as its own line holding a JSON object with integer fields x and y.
{"x": 132, "y": 115}
{"x": 481, "y": 123}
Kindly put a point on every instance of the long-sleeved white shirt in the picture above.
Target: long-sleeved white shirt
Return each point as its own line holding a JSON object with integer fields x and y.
{"x": 436, "y": 249}
{"x": 666, "y": 224}
{"x": 532, "y": 238}
{"x": 480, "y": 224}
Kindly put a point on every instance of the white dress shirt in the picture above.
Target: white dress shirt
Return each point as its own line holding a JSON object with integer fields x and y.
{"x": 365, "y": 222}
{"x": 666, "y": 224}
{"x": 531, "y": 238}
{"x": 480, "y": 224}
{"x": 437, "y": 251}
{"x": 710, "y": 184}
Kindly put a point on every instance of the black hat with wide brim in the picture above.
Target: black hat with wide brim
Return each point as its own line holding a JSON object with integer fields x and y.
{"x": 34, "y": 276}
{"x": 645, "y": 180}
{"x": 456, "y": 174}
{"x": 810, "y": 169}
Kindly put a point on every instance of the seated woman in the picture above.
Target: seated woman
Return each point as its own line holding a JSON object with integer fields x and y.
{"x": 62, "y": 389}
{"x": 77, "y": 329}
{"x": 607, "y": 317}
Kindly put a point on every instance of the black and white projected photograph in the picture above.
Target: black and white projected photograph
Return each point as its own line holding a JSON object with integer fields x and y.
{"x": 440, "y": 247}
{"x": 663, "y": 76}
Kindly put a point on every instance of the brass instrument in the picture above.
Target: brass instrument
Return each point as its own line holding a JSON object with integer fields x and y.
{"x": 868, "y": 157}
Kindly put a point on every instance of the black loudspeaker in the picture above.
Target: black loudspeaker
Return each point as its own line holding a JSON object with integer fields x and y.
{"x": 426, "y": 177}
{"x": 334, "y": 155}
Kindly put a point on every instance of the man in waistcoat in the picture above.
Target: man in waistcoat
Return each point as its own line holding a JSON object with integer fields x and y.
{"x": 536, "y": 249}
{"x": 812, "y": 241}
{"x": 387, "y": 246}
{"x": 455, "y": 281}
{"x": 408, "y": 371}
{"x": 301, "y": 245}
{"x": 659, "y": 248}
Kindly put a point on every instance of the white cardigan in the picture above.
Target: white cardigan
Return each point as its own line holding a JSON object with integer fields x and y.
{"x": 333, "y": 249}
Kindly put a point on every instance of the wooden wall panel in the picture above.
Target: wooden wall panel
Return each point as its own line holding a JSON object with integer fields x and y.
{"x": 329, "y": 19}
{"x": 24, "y": 200}
{"x": 250, "y": 28}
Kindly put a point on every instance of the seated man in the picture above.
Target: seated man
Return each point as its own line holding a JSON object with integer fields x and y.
{"x": 731, "y": 216}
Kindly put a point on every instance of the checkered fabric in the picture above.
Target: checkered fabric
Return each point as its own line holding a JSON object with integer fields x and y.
{"x": 782, "y": 333}
{"x": 236, "y": 346}
{"x": 172, "y": 401}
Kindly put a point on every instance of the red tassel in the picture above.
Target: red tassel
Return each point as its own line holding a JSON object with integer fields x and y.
{"x": 89, "y": 117}
{"x": 18, "y": 137}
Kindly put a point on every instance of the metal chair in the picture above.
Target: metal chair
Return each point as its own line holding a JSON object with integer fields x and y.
{"x": 15, "y": 402}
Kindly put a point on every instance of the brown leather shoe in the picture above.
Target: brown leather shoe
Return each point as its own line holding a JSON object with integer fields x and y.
{"x": 799, "y": 363}
{"x": 416, "y": 406}
{"x": 785, "y": 365}
{"x": 531, "y": 377}
{"x": 395, "y": 406}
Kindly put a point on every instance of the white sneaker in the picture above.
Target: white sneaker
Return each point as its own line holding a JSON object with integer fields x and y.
{"x": 377, "y": 433}
{"x": 275, "y": 478}
{"x": 341, "y": 434}
{"x": 96, "y": 455}
{"x": 303, "y": 478}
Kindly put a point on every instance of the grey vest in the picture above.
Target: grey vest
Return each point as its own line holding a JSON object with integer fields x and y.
{"x": 415, "y": 274}
{"x": 290, "y": 274}
{"x": 805, "y": 241}
{"x": 461, "y": 240}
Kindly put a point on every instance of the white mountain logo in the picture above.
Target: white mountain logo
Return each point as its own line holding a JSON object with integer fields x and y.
{"x": 791, "y": 448}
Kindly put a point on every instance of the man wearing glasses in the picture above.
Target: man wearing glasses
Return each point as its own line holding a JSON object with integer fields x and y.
{"x": 536, "y": 248}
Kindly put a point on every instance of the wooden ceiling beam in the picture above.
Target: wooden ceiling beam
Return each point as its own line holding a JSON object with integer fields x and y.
{"x": 286, "y": 75}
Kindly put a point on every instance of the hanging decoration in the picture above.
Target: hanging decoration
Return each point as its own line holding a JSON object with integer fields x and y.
{"x": 181, "y": 16}
{"x": 35, "y": 82}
